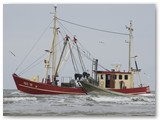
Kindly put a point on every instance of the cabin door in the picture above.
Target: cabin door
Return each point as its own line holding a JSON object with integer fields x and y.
{"x": 110, "y": 82}
{"x": 121, "y": 83}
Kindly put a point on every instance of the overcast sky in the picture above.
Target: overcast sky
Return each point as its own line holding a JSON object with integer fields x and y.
{"x": 24, "y": 24}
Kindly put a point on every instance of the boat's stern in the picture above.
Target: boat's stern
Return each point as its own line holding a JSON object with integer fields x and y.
{"x": 148, "y": 89}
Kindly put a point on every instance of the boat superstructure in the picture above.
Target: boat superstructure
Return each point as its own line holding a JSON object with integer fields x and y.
{"x": 115, "y": 79}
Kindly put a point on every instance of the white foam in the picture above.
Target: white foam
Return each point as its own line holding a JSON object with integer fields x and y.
{"x": 17, "y": 93}
{"x": 15, "y": 99}
{"x": 124, "y": 100}
{"x": 148, "y": 95}
{"x": 110, "y": 99}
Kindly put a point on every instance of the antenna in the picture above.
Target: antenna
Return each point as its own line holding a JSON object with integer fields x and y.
{"x": 117, "y": 67}
{"x": 55, "y": 6}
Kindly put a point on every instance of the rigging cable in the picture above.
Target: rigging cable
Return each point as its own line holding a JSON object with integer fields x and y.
{"x": 28, "y": 67}
{"x": 107, "y": 31}
{"x": 64, "y": 28}
{"x": 60, "y": 59}
{"x": 73, "y": 60}
{"x": 65, "y": 58}
{"x": 82, "y": 51}
{"x": 137, "y": 70}
{"x": 79, "y": 55}
{"x": 89, "y": 56}
{"x": 70, "y": 47}
{"x": 34, "y": 45}
{"x": 24, "y": 70}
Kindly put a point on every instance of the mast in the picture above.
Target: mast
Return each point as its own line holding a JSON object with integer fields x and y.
{"x": 130, "y": 45}
{"x": 60, "y": 59}
{"x": 52, "y": 51}
{"x": 54, "y": 45}
{"x": 130, "y": 53}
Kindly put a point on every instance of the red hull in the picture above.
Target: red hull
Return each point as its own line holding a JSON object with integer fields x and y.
{"x": 134, "y": 91}
{"x": 31, "y": 87}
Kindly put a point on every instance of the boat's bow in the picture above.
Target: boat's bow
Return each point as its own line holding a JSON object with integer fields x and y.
{"x": 31, "y": 87}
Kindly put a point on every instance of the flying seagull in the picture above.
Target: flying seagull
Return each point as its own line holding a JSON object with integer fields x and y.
{"x": 12, "y": 53}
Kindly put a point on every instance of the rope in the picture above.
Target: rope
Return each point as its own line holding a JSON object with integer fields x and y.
{"x": 65, "y": 43}
{"x": 64, "y": 28}
{"x": 33, "y": 46}
{"x": 80, "y": 59}
{"x": 24, "y": 70}
{"x": 73, "y": 60}
{"x": 100, "y": 30}
{"x": 90, "y": 57}
{"x": 138, "y": 73}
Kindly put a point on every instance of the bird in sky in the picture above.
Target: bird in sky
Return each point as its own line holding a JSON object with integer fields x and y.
{"x": 12, "y": 53}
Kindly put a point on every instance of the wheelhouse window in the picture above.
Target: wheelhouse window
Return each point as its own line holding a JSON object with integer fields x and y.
{"x": 101, "y": 76}
{"x": 120, "y": 77}
{"x": 115, "y": 77}
{"x": 126, "y": 77}
{"x": 108, "y": 77}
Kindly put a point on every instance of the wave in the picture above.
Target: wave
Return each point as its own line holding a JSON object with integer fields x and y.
{"x": 148, "y": 95}
{"x": 16, "y": 92}
{"x": 123, "y": 100}
{"x": 16, "y": 99}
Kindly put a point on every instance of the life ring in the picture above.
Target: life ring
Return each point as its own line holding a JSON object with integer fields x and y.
{"x": 102, "y": 83}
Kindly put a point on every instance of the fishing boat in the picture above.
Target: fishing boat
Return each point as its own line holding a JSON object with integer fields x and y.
{"x": 115, "y": 81}
{"x": 106, "y": 81}
{"x": 49, "y": 84}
